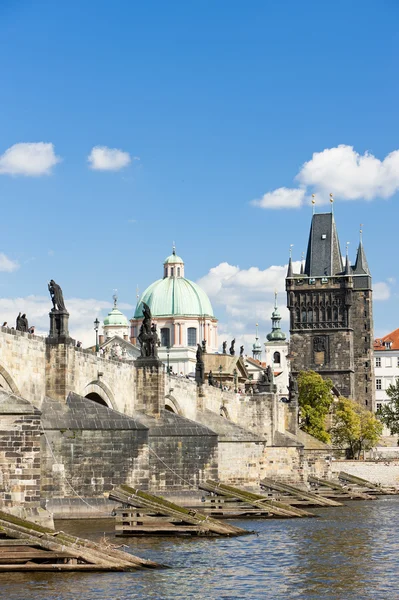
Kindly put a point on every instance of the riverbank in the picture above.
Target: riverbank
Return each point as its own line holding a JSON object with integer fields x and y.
{"x": 382, "y": 472}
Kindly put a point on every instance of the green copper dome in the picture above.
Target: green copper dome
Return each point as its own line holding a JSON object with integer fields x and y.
{"x": 174, "y": 296}
{"x": 115, "y": 317}
{"x": 172, "y": 259}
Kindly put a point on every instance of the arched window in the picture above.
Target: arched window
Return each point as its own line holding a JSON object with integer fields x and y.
{"x": 310, "y": 315}
{"x": 165, "y": 336}
{"x": 178, "y": 271}
{"x": 335, "y": 314}
{"x": 329, "y": 314}
{"x": 303, "y": 315}
{"x": 297, "y": 315}
{"x": 276, "y": 358}
{"x": 165, "y": 271}
{"x": 191, "y": 336}
{"x": 172, "y": 270}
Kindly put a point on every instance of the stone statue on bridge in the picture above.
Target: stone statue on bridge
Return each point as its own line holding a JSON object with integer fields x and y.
{"x": 22, "y": 323}
{"x": 56, "y": 296}
{"x": 231, "y": 350}
{"x": 148, "y": 336}
{"x": 199, "y": 367}
{"x": 293, "y": 391}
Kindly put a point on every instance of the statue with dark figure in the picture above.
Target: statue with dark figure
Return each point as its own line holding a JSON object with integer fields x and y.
{"x": 204, "y": 346}
{"x": 199, "y": 367}
{"x": 22, "y": 323}
{"x": 56, "y": 296}
{"x": 224, "y": 346}
{"x": 241, "y": 351}
{"x": 265, "y": 383}
{"x": 148, "y": 336}
{"x": 231, "y": 350}
{"x": 211, "y": 380}
{"x": 293, "y": 391}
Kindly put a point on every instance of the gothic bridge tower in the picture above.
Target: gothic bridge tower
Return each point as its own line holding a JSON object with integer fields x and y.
{"x": 331, "y": 321}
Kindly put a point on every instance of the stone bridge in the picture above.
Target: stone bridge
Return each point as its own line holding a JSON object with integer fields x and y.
{"x": 34, "y": 367}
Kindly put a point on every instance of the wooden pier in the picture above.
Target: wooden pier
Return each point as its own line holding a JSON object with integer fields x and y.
{"x": 26, "y": 546}
{"x": 294, "y": 496}
{"x": 145, "y": 514}
{"x": 228, "y": 502}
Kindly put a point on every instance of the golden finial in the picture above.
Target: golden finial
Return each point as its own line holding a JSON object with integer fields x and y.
{"x": 313, "y": 202}
{"x": 331, "y": 198}
{"x": 361, "y": 232}
{"x": 347, "y": 248}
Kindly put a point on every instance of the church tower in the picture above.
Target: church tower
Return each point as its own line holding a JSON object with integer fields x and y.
{"x": 331, "y": 321}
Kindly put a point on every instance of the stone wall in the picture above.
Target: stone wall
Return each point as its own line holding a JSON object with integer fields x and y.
{"x": 71, "y": 369}
{"x": 87, "y": 449}
{"x": 22, "y": 364}
{"x": 20, "y": 431}
{"x": 362, "y": 323}
{"x": 376, "y": 472}
{"x": 241, "y": 463}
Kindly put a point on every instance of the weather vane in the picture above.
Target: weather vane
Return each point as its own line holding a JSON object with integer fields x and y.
{"x": 291, "y": 247}
{"x": 115, "y": 297}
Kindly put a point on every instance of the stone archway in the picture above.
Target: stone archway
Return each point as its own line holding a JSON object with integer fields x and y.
{"x": 172, "y": 405}
{"x": 99, "y": 392}
{"x": 224, "y": 412}
{"x": 7, "y": 382}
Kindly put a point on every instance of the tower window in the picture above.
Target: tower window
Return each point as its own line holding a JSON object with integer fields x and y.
{"x": 277, "y": 358}
{"x": 178, "y": 271}
{"x": 165, "y": 336}
{"x": 172, "y": 272}
{"x": 191, "y": 336}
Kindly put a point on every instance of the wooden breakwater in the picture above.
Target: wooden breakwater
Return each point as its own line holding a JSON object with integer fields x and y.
{"x": 26, "y": 546}
{"x": 232, "y": 502}
{"x": 143, "y": 513}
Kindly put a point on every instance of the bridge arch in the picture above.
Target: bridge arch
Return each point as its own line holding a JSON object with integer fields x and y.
{"x": 172, "y": 405}
{"x": 99, "y": 392}
{"x": 7, "y": 382}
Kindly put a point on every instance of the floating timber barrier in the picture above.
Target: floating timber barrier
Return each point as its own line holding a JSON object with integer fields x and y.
{"x": 144, "y": 513}
{"x": 367, "y": 487}
{"x": 333, "y": 490}
{"x": 292, "y": 495}
{"x": 26, "y": 546}
{"x": 231, "y": 502}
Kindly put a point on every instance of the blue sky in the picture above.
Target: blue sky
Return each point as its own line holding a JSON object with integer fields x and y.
{"x": 217, "y": 104}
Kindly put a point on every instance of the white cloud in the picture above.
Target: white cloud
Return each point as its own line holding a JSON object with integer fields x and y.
{"x": 281, "y": 198}
{"x": 247, "y": 297}
{"x": 8, "y": 265}
{"x": 30, "y": 159}
{"x": 343, "y": 172}
{"x": 102, "y": 158}
{"x": 82, "y": 312}
{"x": 381, "y": 291}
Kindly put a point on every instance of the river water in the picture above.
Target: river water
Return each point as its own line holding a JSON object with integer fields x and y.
{"x": 348, "y": 552}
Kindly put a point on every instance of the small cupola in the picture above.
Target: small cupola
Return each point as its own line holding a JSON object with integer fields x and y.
{"x": 173, "y": 265}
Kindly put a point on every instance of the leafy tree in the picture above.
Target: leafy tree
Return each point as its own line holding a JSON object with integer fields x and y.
{"x": 354, "y": 427}
{"x": 389, "y": 413}
{"x": 314, "y": 402}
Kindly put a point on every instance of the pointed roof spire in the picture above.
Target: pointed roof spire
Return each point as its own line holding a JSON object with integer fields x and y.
{"x": 302, "y": 263}
{"x": 257, "y": 346}
{"x": 290, "y": 271}
{"x": 361, "y": 266}
{"x": 276, "y": 334}
{"x": 347, "y": 263}
{"x": 323, "y": 257}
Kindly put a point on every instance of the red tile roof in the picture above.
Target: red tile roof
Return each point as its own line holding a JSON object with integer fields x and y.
{"x": 393, "y": 338}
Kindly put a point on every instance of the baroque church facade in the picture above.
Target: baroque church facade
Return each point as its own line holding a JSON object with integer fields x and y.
{"x": 331, "y": 320}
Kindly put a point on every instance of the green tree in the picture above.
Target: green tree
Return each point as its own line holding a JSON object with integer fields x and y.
{"x": 389, "y": 413}
{"x": 314, "y": 402}
{"x": 354, "y": 427}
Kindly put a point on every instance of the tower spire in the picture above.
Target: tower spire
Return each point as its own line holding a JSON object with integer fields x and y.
{"x": 290, "y": 271}
{"x": 332, "y": 203}
{"x": 347, "y": 264}
{"x": 361, "y": 266}
{"x": 276, "y": 335}
{"x": 257, "y": 346}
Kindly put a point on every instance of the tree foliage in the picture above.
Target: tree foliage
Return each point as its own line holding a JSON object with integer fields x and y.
{"x": 354, "y": 427}
{"x": 314, "y": 402}
{"x": 389, "y": 413}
